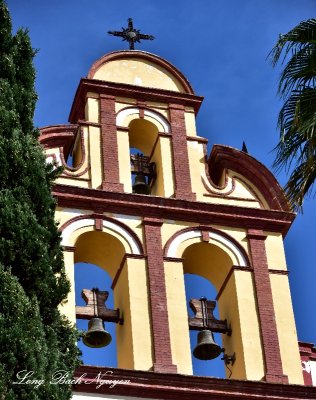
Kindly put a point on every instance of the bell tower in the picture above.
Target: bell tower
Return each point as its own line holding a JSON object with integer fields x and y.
{"x": 140, "y": 198}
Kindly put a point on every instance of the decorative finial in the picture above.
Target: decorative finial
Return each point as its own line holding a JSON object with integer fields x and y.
{"x": 244, "y": 147}
{"x": 131, "y": 35}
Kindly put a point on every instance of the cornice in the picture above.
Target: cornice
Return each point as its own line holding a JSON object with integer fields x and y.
{"x": 132, "y": 91}
{"x": 170, "y": 208}
{"x": 146, "y": 384}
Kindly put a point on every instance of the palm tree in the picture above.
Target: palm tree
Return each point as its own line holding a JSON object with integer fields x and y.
{"x": 296, "y": 150}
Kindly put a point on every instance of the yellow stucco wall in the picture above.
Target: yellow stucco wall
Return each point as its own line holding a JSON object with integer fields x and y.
{"x": 138, "y": 72}
{"x": 189, "y": 118}
{"x": 178, "y": 317}
{"x": 249, "y": 342}
{"x": 134, "y": 342}
{"x": 68, "y": 308}
{"x": 275, "y": 251}
{"x": 124, "y": 160}
{"x": 286, "y": 328}
{"x": 92, "y": 109}
{"x": 162, "y": 157}
{"x": 124, "y": 337}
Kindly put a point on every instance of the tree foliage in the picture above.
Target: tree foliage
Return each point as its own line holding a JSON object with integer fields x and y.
{"x": 296, "y": 150}
{"x": 32, "y": 275}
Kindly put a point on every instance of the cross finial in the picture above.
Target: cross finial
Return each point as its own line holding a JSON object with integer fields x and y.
{"x": 131, "y": 35}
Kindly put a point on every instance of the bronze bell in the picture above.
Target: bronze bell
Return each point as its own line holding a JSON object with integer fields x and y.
{"x": 96, "y": 336}
{"x": 206, "y": 348}
{"x": 140, "y": 185}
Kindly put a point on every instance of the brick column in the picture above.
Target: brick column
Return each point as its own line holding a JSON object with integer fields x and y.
{"x": 269, "y": 334}
{"x": 158, "y": 297}
{"x": 182, "y": 177}
{"x": 109, "y": 150}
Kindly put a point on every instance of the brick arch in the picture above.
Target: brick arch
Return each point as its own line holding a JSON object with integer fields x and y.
{"x": 97, "y": 221}
{"x": 206, "y": 232}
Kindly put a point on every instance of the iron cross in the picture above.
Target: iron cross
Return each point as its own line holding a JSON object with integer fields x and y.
{"x": 131, "y": 35}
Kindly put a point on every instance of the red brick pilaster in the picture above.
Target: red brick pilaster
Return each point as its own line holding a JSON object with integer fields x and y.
{"x": 109, "y": 150}
{"x": 158, "y": 297}
{"x": 183, "y": 187}
{"x": 269, "y": 334}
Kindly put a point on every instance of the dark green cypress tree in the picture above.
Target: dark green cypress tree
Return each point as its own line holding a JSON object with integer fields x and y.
{"x": 31, "y": 261}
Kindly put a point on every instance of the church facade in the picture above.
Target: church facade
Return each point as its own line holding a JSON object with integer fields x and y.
{"x": 222, "y": 216}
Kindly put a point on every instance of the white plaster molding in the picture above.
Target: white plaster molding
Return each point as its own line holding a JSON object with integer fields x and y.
{"x": 161, "y": 120}
{"x": 231, "y": 246}
{"x": 121, "y": 115}
{"x": 313, "y": 371}
{"x": 74, "y": 211}
{"x": 172, "y": 251}
{"x": 174, "y": 245}
{"x": 229, "y": 186}
{"x": 86, "y": 222}
{"x": 123, "y": 218}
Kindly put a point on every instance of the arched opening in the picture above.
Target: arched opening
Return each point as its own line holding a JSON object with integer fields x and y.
{"x": 206, "y": 266}
{"x": 100, "y": 248}
{"x": 145, "y": 165}
{"x": 195, "y": 288}
{"x": 92, "y": 276}
{"x": 76, "y": 153}
{"x": 156, "y": 164}
{"x": 148, "y": 131}
{"x": 142, "y": 135}
{"x": 97, "y": 258}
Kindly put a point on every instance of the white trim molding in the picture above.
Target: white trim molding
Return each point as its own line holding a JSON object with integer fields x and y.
{"x": 90, "y": 222}
{"x": 214, "y": 237}
{"x": 126, "y": 112}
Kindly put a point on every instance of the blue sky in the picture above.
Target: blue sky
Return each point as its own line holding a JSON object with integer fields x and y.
{"x": 221, "y": 46}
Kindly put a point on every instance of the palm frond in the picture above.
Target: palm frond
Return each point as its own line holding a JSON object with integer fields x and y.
{"x": 296, "y": 150}
{"x": 294, "y": 40}
{"x": 297, "y": 124}
{"x": 299, "y": 72}
{"x": 300, "y": 184}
